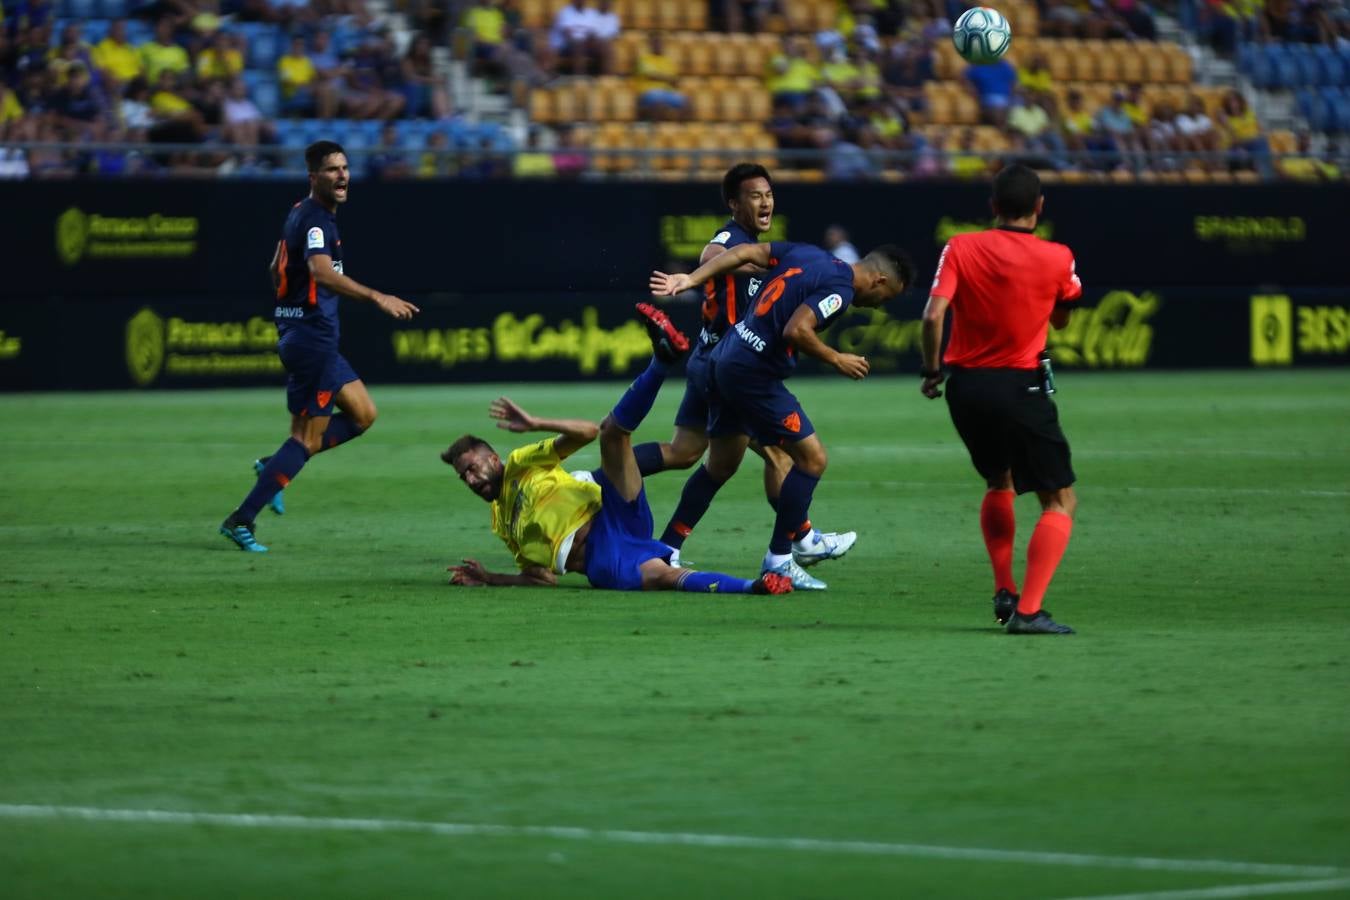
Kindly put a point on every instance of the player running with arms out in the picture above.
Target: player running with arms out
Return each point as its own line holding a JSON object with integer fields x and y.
{"x": 308, "y": 278}
{"x": 596, "y": 523}
{"x": 1005, "y": 286}
{"x": 747, "y": 189}
{"x": 805, "y": 290}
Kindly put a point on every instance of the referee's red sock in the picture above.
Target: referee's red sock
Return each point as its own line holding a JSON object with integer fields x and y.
{"x": 1043, "y": 555}
{"x": 999, "y": 524}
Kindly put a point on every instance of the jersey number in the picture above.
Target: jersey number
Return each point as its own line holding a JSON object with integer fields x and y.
{"x": 773, "y": 290}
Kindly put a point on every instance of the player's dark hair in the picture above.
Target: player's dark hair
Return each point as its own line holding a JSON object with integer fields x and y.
{"x": 894, "y": 262}
{"x": 1016, "y": 189}
{"x": 463, "y": 445}
{"x": 739, "y": 174}
{"x": 318, "y": 151}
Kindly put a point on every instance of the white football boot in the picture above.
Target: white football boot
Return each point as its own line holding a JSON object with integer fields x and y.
{"x": 818, "y": 547}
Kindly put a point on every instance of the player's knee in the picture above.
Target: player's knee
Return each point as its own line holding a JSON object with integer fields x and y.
{"x": 683, "y": 457}
{"x": 365, "y": 417}
{"x": 813, "y": 462}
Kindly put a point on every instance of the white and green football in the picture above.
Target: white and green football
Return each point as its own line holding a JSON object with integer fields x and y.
{"x": 981, "y": 35}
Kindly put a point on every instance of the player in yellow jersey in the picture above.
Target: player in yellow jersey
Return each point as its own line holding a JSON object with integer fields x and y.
{"x": 597, "y": 523}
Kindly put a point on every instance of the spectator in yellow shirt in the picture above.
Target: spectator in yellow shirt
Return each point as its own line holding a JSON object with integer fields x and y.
{"x": 657, "y": 77}
{"x": 1135, "y": 107}
{"x": 1035, "y": 77}
{"x": 116, "y": 60}
{"x": 177, "y": 121}
{"x": 221, "y": 61}
{"x": 11, "y": 110}
{"x": 792, "y": 77}
{"x": 297, "y": 74}
{"x": 486, "y": 23}
{"x": 162, "y": 54}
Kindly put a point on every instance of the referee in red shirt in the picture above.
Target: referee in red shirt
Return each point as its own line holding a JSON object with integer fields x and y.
{"x": 1004, "y": 286}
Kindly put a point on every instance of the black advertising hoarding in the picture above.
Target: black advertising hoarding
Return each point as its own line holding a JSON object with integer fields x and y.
{"x": 134, "y": 343}
{"x": 211, "y": 241}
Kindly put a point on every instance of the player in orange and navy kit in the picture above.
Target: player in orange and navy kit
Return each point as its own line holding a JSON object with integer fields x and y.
{"x": 1005, "y": 287}
{"x": 806, "y": 289}
{"x": 747, "y": 189}
{"x": 307, "y": 273}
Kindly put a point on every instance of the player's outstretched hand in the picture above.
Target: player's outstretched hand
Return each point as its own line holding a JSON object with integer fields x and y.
{"x": 396, "y": 306}
{"x": 663, "y": 285}
{"x": 510, "y": 416}
{"x": 855, "y": 367}
{"x": 929, "y": 387}
{"x": 471, "y": 574}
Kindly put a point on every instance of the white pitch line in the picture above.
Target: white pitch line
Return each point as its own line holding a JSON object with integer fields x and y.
{"x": 662, "y": 838}
{"x": 1233, "y": 890}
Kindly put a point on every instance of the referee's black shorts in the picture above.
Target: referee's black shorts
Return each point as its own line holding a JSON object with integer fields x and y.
{"x": 1006, "y": 426}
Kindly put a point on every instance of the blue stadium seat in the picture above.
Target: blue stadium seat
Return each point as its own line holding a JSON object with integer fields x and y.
{"x": 76, "y": 9}
{"x": 139, "y": 31}
{"x": 113, "y": 9}
{"x": 1306, "y": 65}
{"x": 291, "y": 133}
{"x": 95, "y": 30}
{"x": 413, "y": 133}
{"x": 262, "y": 40}
{"x": 266, "y": 93}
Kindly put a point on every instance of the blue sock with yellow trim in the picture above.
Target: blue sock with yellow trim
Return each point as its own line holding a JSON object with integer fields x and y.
{"x": 637, "y": 401}
{"x": 714, "y": 583}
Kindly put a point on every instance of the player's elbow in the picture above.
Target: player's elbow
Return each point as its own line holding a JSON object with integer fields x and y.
{"x": 935, "y": 311}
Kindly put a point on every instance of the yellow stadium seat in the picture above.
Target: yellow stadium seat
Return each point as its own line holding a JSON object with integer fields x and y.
{"x": 542, "y": 108}
{"x": 698, "y": 58}
{"x": 534, "y": 14}
{"x": 1155, "y": 64}
{"x": 694, "y": 16}
{"x": 1282, "y": 142}
{"x": 726, "y": 61}
{"x": 641, "y": 15}
{"x": 1178, "y": 64}
{"x": 1131, "y": 65}
{"x": 759, "y": 105}
{"x": 703, "y": 102}
{"x": 731, "y": 106}
{"x": 669, "y": 14}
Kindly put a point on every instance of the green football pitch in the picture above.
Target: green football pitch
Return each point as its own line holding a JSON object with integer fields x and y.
{"x": 179, "y": 719}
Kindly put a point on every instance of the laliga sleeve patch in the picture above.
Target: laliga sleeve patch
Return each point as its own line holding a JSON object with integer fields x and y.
{"x": 722, "y": 237}
{"x": 315, "y": 239}
{"x": 830, "y": 305}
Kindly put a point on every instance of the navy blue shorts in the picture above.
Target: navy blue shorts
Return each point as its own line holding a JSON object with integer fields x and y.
{"x": 313, "y": 378}
{"x": 693, "y": 411}
{"x": 621, "y": 539}
{"x": 744, "y": 401}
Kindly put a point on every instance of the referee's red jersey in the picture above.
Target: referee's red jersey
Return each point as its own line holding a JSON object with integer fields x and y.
{"x": 1003, "y": 284}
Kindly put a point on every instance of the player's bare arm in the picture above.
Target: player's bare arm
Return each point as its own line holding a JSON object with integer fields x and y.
{"x": 473, "y": 574}
{"x": 573, "y": 434}
{"x": 714, "y": 250}
{"x": 322, "y": 271}
{"x": 274, "y": 267}
{"x": 801, "y": 331}
{"x": 934, "y": 315}
{"x": 668, "y": 285}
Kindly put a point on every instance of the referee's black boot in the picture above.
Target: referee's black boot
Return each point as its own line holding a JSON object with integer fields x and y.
{"x": 1005, "y": 604}
{"x": 1038, "y": 622}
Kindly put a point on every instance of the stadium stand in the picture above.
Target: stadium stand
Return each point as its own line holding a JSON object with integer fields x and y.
{"x": 1107, "y": 92}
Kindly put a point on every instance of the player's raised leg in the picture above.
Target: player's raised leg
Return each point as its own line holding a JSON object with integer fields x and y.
{"x": 1044, "y": 553}
{"x": 616, "y": 447}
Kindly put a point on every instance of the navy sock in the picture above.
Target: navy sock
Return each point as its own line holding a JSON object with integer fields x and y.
{"x": 714, "y": 583}
{"x": 649, "y": 458}
{"x": 794, "y": 506}
{"x": 340, "y": 430}
{"x": 637, "y": 401}
{"x": 283, "y": 465}
{"x": 695, "y": 499}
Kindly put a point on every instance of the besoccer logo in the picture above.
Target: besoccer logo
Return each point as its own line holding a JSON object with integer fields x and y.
{"x": 72, "y": 235}
{"x": 145, "y": 347}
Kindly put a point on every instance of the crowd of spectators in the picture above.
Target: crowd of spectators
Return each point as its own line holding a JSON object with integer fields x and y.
{"x": 850, "y": 99}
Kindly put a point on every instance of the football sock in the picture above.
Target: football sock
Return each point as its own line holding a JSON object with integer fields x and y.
{"x": 695, "y": 499}
{"x": 637, "y": 401}
{"x": 1043, "y": 555}
{"x": 340, "y": 430}
{"x": 649, "y": 458}
{"x": 999, "y": 524}
{"x": 794, "y": 502}
{"x": 774, "y": 560}
{"x": 283, "y": 465}
{"x": 714, "y": 583}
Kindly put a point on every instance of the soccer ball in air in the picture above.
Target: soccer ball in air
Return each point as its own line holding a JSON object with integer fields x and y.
{"x": 981, "y": 35}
